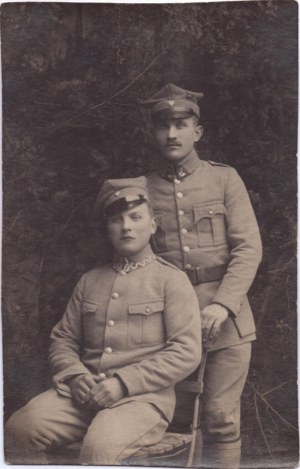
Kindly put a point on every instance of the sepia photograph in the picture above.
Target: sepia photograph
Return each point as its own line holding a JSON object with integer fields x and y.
{"x": 149, "y": 234}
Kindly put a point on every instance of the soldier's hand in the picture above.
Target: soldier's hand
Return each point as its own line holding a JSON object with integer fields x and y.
{"x": 212, "y": 317}
{"x": 80, "y": 387}
{"x": 105, "y": 393}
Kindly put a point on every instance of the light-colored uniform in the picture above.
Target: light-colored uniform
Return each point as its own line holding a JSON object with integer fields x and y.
{"x": 207, "y": 227}
{"x": 142, "y": 327}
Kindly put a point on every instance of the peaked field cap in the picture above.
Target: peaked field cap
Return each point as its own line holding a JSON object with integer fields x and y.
{"x": 126, "y": 191}
{"x": 172, "y": 100}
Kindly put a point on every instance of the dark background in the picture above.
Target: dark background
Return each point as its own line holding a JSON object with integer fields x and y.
{"x": 72, "y": 77}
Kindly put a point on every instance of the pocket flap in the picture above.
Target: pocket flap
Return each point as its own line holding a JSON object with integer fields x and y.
{"x": 208, "y": 211}
{"x": 146, "y": 308}
{"x": 89, "y": 307}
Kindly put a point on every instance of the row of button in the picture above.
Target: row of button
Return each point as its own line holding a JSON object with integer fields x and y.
{"x": 183, "y": 231}
{"x": 115, "y": 295}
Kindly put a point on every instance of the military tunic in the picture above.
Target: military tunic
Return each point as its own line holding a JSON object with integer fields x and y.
{"x": 143, "y": 327}
{"x": 207, "y": 227}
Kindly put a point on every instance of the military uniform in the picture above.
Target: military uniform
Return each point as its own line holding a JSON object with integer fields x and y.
{"x": 137, "y": 321}
{"x": 206, "y": 227}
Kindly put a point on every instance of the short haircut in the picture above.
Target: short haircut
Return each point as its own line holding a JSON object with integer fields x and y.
{"x": 196, "y": 120}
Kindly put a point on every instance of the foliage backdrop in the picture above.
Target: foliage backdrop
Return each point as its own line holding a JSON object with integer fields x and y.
{"x": 72, "y": 77}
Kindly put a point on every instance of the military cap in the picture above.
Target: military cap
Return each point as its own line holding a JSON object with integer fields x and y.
{"x": 173, "y": 102}
{"x": 117, "y": 195}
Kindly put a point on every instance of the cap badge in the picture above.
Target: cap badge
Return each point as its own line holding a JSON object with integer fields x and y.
{"x": 171, "y": 102}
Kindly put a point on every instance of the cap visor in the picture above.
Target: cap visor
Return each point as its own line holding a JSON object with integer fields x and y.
{"x": 172, "y": 114}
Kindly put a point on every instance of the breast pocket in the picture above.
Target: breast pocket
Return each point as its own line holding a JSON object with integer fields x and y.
{"x": 159, "y": 238}
{"x": 89, "y": 310}
{"x": 146, "y": 323}
{"x": 210, "y": 222}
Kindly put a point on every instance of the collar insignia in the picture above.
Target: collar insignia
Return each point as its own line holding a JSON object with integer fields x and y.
{"x": 127, "y": 266}
{"x": 174, "y": 172}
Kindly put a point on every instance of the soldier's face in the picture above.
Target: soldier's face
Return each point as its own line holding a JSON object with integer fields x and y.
{"x": 130, "y": 231}
{"x": 175, "y": 138}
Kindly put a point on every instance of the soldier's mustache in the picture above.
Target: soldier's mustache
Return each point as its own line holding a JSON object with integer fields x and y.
{"x": 173, "y": 144}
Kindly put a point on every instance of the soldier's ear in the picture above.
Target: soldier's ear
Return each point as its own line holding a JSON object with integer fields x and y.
{"x": 198, "y": 133}
{"x": 153, "y": 225}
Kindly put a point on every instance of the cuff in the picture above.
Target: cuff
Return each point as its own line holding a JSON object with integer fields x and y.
{"x": 123, "y": 385}
{"x": 233, "y": 308}
{"x": 230, "y": 313}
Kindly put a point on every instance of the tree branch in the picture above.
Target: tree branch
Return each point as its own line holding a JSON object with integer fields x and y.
{"x": 74, "y": 211}
{"x": 117, "y": 93}
{"x": 277, "y": 413}
{"x": 260, "y": 424}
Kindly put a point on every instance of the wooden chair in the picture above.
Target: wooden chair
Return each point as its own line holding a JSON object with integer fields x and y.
{"x": 181, "y": 444}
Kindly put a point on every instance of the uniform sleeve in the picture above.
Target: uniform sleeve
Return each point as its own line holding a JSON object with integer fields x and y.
{"x": 244, "y": 240}
{"x": 182, "y": 352}
{"x": 66, "y": 336}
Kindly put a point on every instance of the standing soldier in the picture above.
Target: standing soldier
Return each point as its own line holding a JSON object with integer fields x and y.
{"x": 206, "y": 227}
{"x": 129, "y": 334}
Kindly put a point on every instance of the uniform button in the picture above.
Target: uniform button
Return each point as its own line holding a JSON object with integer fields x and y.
{"x": 183, "y": 231}
{"x": 188, "y": 266}
{"x": 147, "y": 309}
{"x": 179, "y": 195}
{"x": 115, "y": 295}
{"x": 108, "y": 350}
{"x": 210, "y": 211}
{"x": 102, "y": 375}
{"x": 186, "y": 249}
{"x": 180, "y": 213}
{"x": 122, "y": 272}
{"x": 111, "y": 322}
{"x": 176, "y": 181}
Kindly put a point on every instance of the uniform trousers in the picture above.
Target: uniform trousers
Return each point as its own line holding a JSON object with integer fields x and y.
{"x": 51, "y": 420}
{"x": 224, "y": 380}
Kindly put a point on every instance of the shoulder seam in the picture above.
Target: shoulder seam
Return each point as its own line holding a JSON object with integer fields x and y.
{"x": 163, "y": 261}
{"x": 215, "y": 163}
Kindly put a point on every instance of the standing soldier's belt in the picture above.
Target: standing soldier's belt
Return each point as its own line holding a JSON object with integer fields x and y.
{"x": 206, "y": 274}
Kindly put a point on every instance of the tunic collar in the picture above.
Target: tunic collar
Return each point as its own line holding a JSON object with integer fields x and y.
{"x": 182, "y": 169}
{"x": 122, "y": 264}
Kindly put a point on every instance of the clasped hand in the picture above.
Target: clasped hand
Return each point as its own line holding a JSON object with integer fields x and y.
{"x": 96, "y": 393}
{"x": 212, "y": 318}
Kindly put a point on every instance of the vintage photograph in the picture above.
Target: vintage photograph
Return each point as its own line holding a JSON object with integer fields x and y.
{"x": 149, "y": 288}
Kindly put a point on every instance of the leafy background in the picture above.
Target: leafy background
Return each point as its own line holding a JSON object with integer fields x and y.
{"x": 72, "y": 77}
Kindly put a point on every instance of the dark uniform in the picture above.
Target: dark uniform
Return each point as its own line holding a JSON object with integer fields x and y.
{"x": 135, "y": 321}
{"x": 206, "y": 227}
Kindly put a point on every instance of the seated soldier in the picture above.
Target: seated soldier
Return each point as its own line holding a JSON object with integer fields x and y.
{"x": 129, "y": 333}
